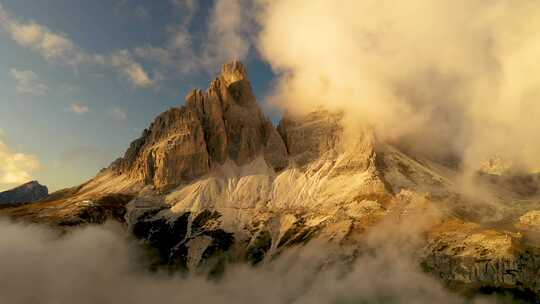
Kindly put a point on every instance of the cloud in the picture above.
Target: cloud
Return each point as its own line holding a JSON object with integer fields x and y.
{"x": 59, "y": 48}
{"x": 52, "y": 46}
{"x": 28, "y": 82}
{"x": 118, "y": 113}
{"x": 178, "y": 54}
{"x": 15, "y": 168}
{"x": 78, "y": 109}
{"x": 131, "y": 70}
{"x": 49, "y": 44}
{"x": 227, "y": 36}
{"x": 439, "y": 77}
{"x": 102, "y": 264}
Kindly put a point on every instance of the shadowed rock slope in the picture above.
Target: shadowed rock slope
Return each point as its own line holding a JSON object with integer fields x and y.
{"x": 26, "y": 193}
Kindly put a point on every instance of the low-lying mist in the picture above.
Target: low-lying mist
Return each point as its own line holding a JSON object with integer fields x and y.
{"x": 103, "y": 264}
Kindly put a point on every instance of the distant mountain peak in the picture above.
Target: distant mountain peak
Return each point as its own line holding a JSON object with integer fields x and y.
{"x": 28, "y": 192}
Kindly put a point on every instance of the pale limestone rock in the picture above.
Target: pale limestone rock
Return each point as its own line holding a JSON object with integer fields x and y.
{"x": 174, "y": 151}
{"x": 233, "y": 72}
{"x": 465, "y": 255}
{"x": 208, "y": 107}
{"x": 530, "y": 221}
{"x": 307, "y": 137}
{"x": 196, "y": 248}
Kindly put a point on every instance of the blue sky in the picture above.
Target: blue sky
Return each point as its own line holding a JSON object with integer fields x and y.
{"x": 81, "y": 79}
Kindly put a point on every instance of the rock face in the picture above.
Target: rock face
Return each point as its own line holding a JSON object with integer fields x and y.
{"x": 215, "y": 181}
{"x": 471, "y": 256}
{"x": 26, "y": 193}
{"x": 222, "y": 123}
{"x": 308, "y": 137}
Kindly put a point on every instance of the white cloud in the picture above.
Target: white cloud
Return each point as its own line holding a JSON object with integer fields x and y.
{"x": 440, "y": 77}
{"x": 228, "y": 37}
{"x": 131, "y": 70}
{"x": 28, "y": 82}
{"x": 15, "y": 168}
{"x": 118, "y": 114}
{"x": 59, "y": 48}
{"x": 78, "y": 109}
{"x": 50, "y": 45}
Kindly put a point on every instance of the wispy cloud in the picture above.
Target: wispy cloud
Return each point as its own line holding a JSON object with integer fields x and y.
{"x": 228, "y": 37}
{"x": 118, "y": 113}
{"x": 15, "y": 168}
{"x": 59, "y": 48}
{"x": 52, "y": 46}
{"x": 132, "y": 70}
{"x": 35, "y": 36}
{"x": 28, "y": 82}
{"x": 229, "y": 32}
{"x": 78, "y": 109}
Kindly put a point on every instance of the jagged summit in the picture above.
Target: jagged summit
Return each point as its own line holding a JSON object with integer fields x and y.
{"x": 233, "y": 72}
{"x": 223, "y": 123}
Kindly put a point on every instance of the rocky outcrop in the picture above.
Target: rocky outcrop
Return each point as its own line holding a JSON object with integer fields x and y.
{"x": 220, "y": 124}
{"x": 185, "y": 241}
{"x": 26, "y": 193}
{"x": 309, "y": 136}
{"x": 468, "y": 257}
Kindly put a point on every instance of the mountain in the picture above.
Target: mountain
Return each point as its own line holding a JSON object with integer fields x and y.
{"x": 223, "y": 123}
{"x": 26, "y": 193}
{"x": 214, "y": 180}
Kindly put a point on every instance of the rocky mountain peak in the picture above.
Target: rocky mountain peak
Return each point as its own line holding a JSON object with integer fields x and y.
{"x": 310, "y": 135}
{"x": 233, "y": 72}
{"x": 225, "y": 123}
{"x": 28, "y": 192}
{"x": 219, "y": 124}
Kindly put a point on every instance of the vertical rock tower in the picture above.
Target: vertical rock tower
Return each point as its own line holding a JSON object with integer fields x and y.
{"x": 219, "y": 124}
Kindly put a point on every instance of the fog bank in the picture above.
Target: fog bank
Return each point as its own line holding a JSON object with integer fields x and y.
{"x": 101, "y": 264}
